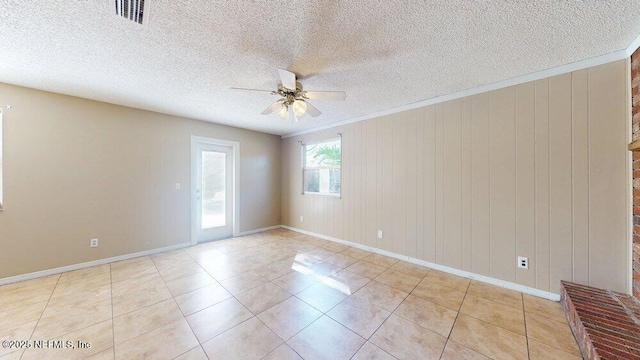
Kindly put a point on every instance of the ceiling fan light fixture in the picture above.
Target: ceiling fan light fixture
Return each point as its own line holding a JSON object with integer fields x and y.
{"x": 299, "y": 107}
{"x": 282, "y": 111}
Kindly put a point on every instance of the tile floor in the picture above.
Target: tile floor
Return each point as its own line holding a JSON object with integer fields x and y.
{"x": 277, "y": 295}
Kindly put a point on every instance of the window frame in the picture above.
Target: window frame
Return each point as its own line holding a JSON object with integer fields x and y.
{"x": 304, "y": 167}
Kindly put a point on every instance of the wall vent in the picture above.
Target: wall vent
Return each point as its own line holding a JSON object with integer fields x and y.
{"x": 134, "y": 10}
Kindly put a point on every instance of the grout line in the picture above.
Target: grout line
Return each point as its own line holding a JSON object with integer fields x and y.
{"x": 113, "y": 323}
{"x": 43, "y": 311}
{"x": 526, "y": 333}
{"x": 458, "y": 312}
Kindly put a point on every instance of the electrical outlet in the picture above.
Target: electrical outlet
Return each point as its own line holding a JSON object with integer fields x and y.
{"x": 301, "y": 218}
{"x": 523, "y": 262}
{"x": 93, "y": 243}
{"x": 379, "y": 234}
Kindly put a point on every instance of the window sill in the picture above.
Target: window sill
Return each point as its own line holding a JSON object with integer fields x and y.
{"x": 335, "y": 196}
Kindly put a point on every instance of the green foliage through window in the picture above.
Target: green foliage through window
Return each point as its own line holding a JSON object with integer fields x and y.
{"x": 322, "y": 163}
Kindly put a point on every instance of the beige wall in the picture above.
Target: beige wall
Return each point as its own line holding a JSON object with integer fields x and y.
{"x": 76, "y": 169}
{"x": 537, "y": 170}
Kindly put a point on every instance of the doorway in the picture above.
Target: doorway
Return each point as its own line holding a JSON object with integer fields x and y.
{"x": 214, "y": 170}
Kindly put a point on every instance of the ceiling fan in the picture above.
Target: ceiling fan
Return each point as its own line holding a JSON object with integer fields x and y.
{"x": 293, "y": 98}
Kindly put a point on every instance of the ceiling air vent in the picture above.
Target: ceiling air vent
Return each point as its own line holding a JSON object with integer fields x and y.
{"x": 134, "y": 10}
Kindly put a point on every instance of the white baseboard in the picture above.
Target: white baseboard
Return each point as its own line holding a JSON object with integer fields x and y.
{"x": 450, "y": 270}
{"x": 37, "y": 274}
{"x": 259, "y": 230}
{"x": 59, "y": 270}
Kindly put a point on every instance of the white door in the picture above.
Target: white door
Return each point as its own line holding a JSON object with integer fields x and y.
{"x": 214, "y": 192}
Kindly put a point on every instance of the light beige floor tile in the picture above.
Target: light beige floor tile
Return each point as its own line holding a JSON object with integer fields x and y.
{"x": 250, "y": 340}
{"x": 129, "y": 298}
{"x": 136, "y": 323}
{"x": 380, "y": 294}
{"x": 171, "y": 258}
{"x": 29, "y": 285}
{"x": 263, "y": 297}
{"x": 448, "y": 280}
{"x": 12, "y": 300}
{"x": 179, "y": 271}
{"x": 289, "y": 317}
{"x": 455, "y": 351}
{"x": 341, "y": 260}
{"x": 309, "y": 240}
{"x": 322, "y": 270}
{"x": 61, "y": 319}
{"x": 100, "y": 336}
{"x": 441, "y": 295}
{"x": 132, "y": 268}
{"x": 17, "y": 333}
{"x": 346, "y": 281}
{"x": 200, "y": 253}
{"x": 108, "y": 354}
{"x": 361, "y": 317}
{"x": 366, "y": 269}
{"x": 411, "y": 269}
{"x": 196, "y": 353}
{"x": 86, "y": 273}
{"x": 186, "y": 284}
{"x": 277, "y": 269}
{"x": 398, "y": 280}
{"x": 406, "y": 340}
{"x": 540, "y": 351}
{"x": 295, "y": 282}
{"x": 218, "y": 318}
{"x": 223, "y": 271}
{"x": 544, "y": 307}
{"x": 22, "y": 315}
{"x": 243, "y": 282}
{"x": 202, "y": 298}
{"x": 318, "y": 253}
{"x": 129, "y": 285}
{"x": 80, "y": 299}
{"x": 166, "y": 342}
{"x": 487, "y": 339}
{"x": 431, "y": 316}
{"x": 282, "y": 352}
{"x": 16, "y": 355}
{"x": 371, "y": 352}
{"x": 500, "y": 315}
{"x": 380, "y": 260}
{"x": 550, "y": 332}
{"x": 334, "y": 246}
{"x": 496, "y": 294}
{"x": 326, "y": 339}
{"x": 94, "y": 286}
{"x": 322, "y": 297}
{"x": 356, "y": 253}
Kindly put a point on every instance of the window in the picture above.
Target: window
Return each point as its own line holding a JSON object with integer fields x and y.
{"x": 321, "y": 172}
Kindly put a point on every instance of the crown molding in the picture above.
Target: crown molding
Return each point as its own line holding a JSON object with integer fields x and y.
{"x": 563, "y": 69}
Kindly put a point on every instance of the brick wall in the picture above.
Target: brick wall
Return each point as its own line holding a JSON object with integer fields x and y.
{"x": 635, "y": 93}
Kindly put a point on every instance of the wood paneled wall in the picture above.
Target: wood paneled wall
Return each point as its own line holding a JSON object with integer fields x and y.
{"x": 538, "y": 170}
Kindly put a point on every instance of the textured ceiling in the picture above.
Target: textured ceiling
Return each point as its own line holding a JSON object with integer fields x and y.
{"x": 383, "y": 54}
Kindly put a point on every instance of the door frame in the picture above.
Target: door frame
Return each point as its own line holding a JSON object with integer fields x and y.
{"x": 195, "y": 140}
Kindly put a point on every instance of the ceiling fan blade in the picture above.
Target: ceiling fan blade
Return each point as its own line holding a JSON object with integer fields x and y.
{"x": 272, "y": 108}
{"x": 311, "y": 110}
{"x": 252, "y": 90}
{"x": 292, "y": 115}
{"x": 326, "y": 95}
{"x": 288, "y": 79}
